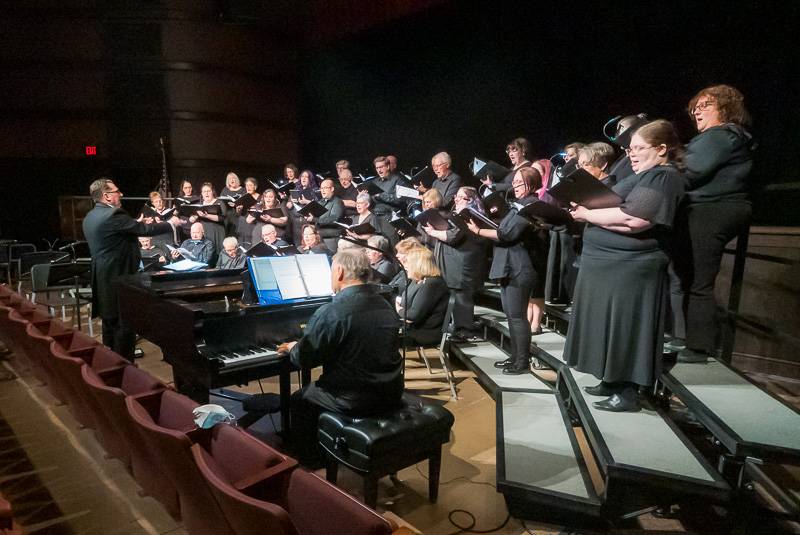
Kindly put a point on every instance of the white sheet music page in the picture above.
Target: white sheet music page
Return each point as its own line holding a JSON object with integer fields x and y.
{"x": 288, "y": 277}
{"x": 316, "y": 272}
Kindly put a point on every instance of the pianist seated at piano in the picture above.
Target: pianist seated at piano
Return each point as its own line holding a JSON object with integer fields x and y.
{"x": 312, "y": 243}
{"x": 355, "y": 340}
{"x": 150, "y": 251}
{"x": 269, "y": 235}
{"x": 199, "y": 249}
{"x": 383, "y": 269}
{"x": 231, "y": 257}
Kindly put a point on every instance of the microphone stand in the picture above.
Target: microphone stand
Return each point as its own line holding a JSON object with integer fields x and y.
{"x": 404, "y": 318}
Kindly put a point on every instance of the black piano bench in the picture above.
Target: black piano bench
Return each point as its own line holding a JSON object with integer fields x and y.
{"x": 382, "y": 445}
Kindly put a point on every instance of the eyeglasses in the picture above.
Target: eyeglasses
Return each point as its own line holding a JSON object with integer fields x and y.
{"x": 511, "y": 149}
{"x": 462, "y": 197}
{"x": 326, "y": 187}
{"x": 638, "y": 148}
{"x": 518, "y": 185}
{"x": 703, "y": 105}
{"x": 113, "y": 191}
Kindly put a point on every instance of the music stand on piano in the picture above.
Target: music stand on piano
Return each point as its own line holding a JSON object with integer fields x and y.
{"x": 74, "y": 273}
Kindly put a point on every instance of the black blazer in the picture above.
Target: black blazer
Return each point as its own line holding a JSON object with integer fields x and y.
{"x": 112, "y": 236}
{"x": 520, "y": 248}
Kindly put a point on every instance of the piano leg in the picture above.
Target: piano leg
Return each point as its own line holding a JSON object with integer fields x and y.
{"x": 286, "y": 393}
{"x": 197, "y": 392}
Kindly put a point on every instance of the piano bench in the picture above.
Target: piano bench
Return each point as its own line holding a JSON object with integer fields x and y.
{"x": 379, "y": 446}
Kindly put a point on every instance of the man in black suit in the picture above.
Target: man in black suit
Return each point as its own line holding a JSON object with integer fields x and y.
{"x": 334, "y": 210}
{"x": 112, "y": 237}
{"x": 355, "y": 340}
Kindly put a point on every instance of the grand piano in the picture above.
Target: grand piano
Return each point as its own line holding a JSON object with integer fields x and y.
{"x": 207, "y": 334}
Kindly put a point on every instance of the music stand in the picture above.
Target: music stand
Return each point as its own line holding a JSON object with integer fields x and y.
{"x": 73, "y": 273}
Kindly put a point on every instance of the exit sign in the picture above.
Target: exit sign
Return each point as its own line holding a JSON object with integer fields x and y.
{"x": 91, "y": 150}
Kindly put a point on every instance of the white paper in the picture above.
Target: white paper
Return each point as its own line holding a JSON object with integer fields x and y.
{"x": 181, "y": 251}
{"x": 402, "y": 191}
{"x": 316, "y": 272}
{"x": 287, "y": 275}
{"x": 185, "y": 265}
{"x": 477, "y": 165}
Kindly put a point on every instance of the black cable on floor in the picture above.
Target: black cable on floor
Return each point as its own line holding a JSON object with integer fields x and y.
{"x": 455, "y": 479}
{"x": 468, "y": 529}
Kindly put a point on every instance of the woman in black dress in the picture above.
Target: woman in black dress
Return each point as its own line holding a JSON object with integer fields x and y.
{"x": 617, "y": 321}
{"x": 306, "y": 191}
{"x": 269, "y": 201}
{"x": 514, "y": 266}
{"x": 213, "y": 224}
{"x": 245, "y": 222}
{"x": 716, "y": 209}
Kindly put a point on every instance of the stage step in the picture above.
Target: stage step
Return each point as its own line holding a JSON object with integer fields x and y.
{"x": 642, "y": 455}
{"x": 480, "y": 358}
{"x": 539, "y": 463}
{"x": 748, "y": 421}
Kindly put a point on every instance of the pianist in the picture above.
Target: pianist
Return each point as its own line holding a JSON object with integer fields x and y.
{"x": 354, "y": 338}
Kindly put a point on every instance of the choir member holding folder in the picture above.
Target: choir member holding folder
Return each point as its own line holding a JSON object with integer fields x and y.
{"x": 517, "y": 264}
{"x": 211, "y": 214}
{"x": 244, "y": 228}
{"x": 460, "y": 255}
{"x": 517, "y": 152}
{"x": 197, "y": 248}
{"x": 267, "y": 211}
{"x": 157, "y": 212}
{"x": 623, "y": 272}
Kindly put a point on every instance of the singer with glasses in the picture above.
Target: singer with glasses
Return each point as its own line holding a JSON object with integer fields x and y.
{"x": 516, "y": 265}
{"x": 717, "y": 208}
{"x": 620, "y": 297}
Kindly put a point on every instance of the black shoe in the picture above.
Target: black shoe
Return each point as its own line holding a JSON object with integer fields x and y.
{"x": 603, "y": 389}
{"x": 514, "y": 369}
{"x": 618, "y": 403}
{"x": 503, "y": 363}
{"x": 691, "y": 356}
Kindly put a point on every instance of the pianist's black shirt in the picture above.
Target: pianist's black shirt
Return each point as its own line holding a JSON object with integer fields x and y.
{"x": 355, "y": 339}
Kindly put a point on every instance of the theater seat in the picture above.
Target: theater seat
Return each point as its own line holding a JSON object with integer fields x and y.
{"x": 68, "y": 365}
{"x": 109, "y": 389}
{"x": 246, "y": 515}
{"x": 37, "y": 346}
{"x": 318, "y": 508}
{"x": 166, "y": 433}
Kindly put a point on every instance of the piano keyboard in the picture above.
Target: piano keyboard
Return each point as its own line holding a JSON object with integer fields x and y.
{"x": 239, "y": 357}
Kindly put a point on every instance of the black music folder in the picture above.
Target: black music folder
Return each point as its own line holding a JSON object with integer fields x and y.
{"x": 314, "y": 208}
{"x": 582, "y": 188}
{"x": 192, "y": 209}
{"x": 404, "y": 227}
{"x": 543, "y": 212}
{"x": 246, "y": 202}
{"x": 496, "y": 205}
{"x": 470, "y": 214}
{"x": 489, "y": 169}
{"x": 370, "y": 187}
{"x": 363, "y": 228}
{"x": 149, "y": 211}
{"x": 187, "y": 200}
{"x": 433, "y": 218}
{"x": 424, "y": 176}
{"x": 272, "y": 212}
{"x": 281, "y": 187}
{"x": 263, "y": 249}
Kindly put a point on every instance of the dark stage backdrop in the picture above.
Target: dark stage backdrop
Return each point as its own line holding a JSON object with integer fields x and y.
{"x": 469, "y": 79}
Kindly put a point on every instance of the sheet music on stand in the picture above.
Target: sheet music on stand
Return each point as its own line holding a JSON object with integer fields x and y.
{"x": 290, "y": 278}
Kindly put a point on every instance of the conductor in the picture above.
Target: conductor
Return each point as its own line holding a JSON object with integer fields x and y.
{"x": 355, "y": 340}
{"x": 112, "y": 237}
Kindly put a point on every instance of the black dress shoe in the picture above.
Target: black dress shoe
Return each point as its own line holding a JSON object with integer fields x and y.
{"x": 603, "y": 389}
{"x": 503, "y": 363}
{"x": 692, "y": 356}
{"x": 513, "y": 369}
{"x": 618, "y": 403}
